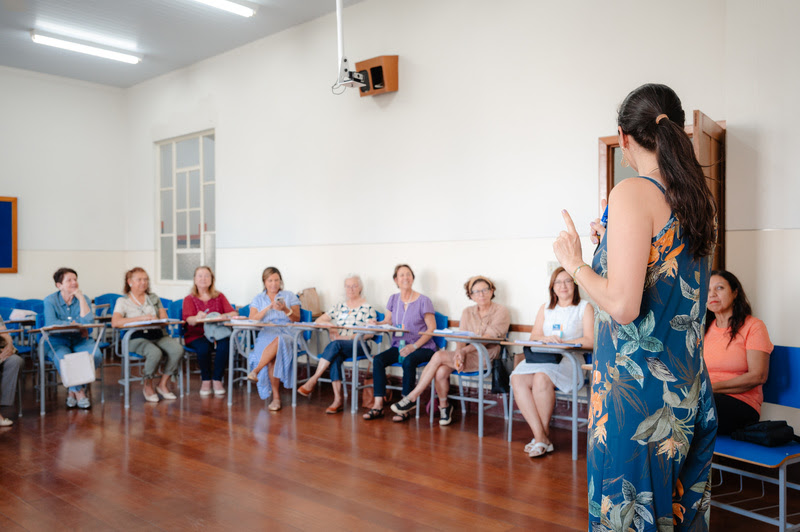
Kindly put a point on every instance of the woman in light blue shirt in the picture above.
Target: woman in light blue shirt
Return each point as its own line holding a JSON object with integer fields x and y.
{"x": 65, "y": 307}
{"x": 271, "y": 358}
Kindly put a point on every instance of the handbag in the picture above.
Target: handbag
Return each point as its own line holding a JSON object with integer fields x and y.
{"x": 500, "y": 377}
{"x": 215, "y": 331}
{"x": 767, "y": 433}
{"x": 532, "y": 357}
{"x": 77, "y": 369}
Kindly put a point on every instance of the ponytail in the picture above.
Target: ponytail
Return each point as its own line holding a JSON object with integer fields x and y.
{"x": 687, "y": 193}
{"x": 641, "y": 116}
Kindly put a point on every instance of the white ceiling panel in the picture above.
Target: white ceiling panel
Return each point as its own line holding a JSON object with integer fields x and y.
{"x": 167, "y": 34}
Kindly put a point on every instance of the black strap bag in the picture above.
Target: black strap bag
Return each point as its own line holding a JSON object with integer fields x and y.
{"x": 500, "y": 377}
{"x": 767, "y": 433}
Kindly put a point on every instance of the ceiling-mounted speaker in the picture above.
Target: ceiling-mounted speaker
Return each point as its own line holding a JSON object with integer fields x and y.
{"x": 381, "y": 74}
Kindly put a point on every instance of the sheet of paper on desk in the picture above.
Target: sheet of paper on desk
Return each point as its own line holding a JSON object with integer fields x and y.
{"x": 306, "y": 323}
{"x": 385, "y": 326}
{"x": 244, "y": 322}
{"x": 548, "y": 344}
{"x": 145, "y": 322}
{"x": 454, "y": 331}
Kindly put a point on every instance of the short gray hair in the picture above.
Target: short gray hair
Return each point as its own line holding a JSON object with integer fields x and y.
{"x": 357, "y": 278}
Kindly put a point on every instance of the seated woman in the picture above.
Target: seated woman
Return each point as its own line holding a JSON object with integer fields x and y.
{"x": 274, "y": 345}
{"x": 736, "y": 353}
{"x": 566, "y": 318}
{"x": 485, "y": 318}
{"x": 204, "y": 300}
{"x": 354, "y": 311}
{"x": 69, "y": 306}
{"x": 10, "y": 363}
{"x": 142, "y": 305}
{"x": 413, "y": 312}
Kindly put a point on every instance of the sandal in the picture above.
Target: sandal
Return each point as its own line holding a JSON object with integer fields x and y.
{"x": 374, "y": 413}
{"x": 529, "y": 446}
{"x": 399, "y": 418}
{"x": 274, "y": 406}
{"x": 540, "y": 449}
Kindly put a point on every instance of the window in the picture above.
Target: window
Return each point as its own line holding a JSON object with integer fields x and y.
{"x": 187, "y": 229}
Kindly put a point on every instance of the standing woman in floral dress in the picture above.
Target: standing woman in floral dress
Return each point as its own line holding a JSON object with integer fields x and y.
{"x": 652, "y": 420}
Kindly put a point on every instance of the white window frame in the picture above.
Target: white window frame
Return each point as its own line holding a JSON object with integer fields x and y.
{"x": 174, "y": 234}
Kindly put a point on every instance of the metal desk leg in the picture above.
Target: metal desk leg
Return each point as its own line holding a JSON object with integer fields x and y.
{"x": 575, "y": 385}
{"x": 354, "y": 375}
{"x": 126, "y": 370}
{"x": 41, "y": 373}
{"x": 231, "y": 351}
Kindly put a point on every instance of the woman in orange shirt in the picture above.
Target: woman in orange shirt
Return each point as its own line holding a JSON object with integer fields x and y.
{"x": 736, "y": 352}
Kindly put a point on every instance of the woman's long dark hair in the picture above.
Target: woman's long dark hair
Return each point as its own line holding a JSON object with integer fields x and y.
{"x": 686, "y": 190}
{"x": 741, "y": 305}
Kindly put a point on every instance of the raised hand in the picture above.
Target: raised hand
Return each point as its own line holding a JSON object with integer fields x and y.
{"x": 567, "y": 246}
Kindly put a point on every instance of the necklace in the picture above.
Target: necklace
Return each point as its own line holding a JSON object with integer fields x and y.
{"x": 136, "y": 300}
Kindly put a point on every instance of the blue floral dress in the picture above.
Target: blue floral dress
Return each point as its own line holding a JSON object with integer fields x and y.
{"x": 652, "y": 419}
{"x": 282, "y": 365}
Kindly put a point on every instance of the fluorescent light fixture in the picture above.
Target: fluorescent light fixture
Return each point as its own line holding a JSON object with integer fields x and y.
{"x": 84, "y": 48}
{"x": 231, "y": 7}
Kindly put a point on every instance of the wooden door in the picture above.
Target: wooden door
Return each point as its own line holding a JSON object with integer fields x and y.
{"x": 708, "y": 138}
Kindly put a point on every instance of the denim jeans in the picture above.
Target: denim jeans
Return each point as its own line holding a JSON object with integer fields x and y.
{"x": 203, "y": 347}
{"x": 336, "y": 352}
{"x": 410, "y": 363}
{"x": 64, "y": 344}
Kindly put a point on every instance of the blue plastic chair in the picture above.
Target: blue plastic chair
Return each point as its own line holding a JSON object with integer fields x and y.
{"x": 244, "y": 311}
{"x": 479, "y": 379}
{"x": 36, "y": 305}
{"x": 175, "y": 312}
{"x": 9, "y": 302}
{"x": 167, "y": 302}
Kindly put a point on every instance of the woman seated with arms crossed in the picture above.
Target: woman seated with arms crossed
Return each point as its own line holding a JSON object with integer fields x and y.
{"x": 353, "y": 312}
{"x": 486, "y": 319}
{"x": 69, "y": 306}
{"x": 413, "y": 312}
{"x": 565, "y": 319}
{"x": 736, "y": 353}
{"x": 204, "y": 300}
{"x": 10, "y": 363}
{"x": 141, "y": 305}
{"x": 274, "y": 345}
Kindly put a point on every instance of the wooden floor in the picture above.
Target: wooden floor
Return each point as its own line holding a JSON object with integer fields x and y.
{"x": 196, "y": 464}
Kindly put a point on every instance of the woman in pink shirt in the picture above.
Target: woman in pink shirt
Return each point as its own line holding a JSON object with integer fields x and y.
{"x": 736, "y": 353}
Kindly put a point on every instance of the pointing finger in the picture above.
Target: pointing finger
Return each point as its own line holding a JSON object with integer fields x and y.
{"x": 568, "y": 222}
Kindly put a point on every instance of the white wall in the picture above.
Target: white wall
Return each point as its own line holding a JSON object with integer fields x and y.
{"x": 63, "y": 155}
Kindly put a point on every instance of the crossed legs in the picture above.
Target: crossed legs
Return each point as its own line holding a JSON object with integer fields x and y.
{"x": 267, "y": 358}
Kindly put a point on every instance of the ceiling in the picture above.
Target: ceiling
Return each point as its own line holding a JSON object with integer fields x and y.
{"x": 167, "y": 34}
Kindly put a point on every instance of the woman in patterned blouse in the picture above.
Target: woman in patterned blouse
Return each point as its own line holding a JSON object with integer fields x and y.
{"x": 355, "y": 311}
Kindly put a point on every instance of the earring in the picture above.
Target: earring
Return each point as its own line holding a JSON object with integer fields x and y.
{"x": 624, "y": 163}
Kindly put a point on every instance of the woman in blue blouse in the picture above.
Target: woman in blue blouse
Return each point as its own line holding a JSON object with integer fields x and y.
{"x": 69, "y": 306}
{"x": 271, "y": 358}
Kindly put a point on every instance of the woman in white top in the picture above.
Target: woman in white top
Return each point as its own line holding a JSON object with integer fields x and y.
{"x": 565, "y": 319}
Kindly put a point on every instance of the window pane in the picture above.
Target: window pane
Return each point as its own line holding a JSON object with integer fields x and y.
{"x": 194, "y": 189}
{"x": 166, "y": 166}
{"x": 209, "y": 173}
{"x": 194, "y": 229}
{"x": 208, "y": 208}
{"x": 187, "y": 262}
{"x": 167, "y": 255}
{"x": 187, "y": 152}
{"x": 180, "y": 191}
{"x": 210, "y": 250}
{"x": 182, "y": 237}
{"x": 166, "y": 212}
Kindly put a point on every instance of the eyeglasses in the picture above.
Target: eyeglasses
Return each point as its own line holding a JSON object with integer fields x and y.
{"x": 480, "y": 292}
{"x": 565, "y": 282}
